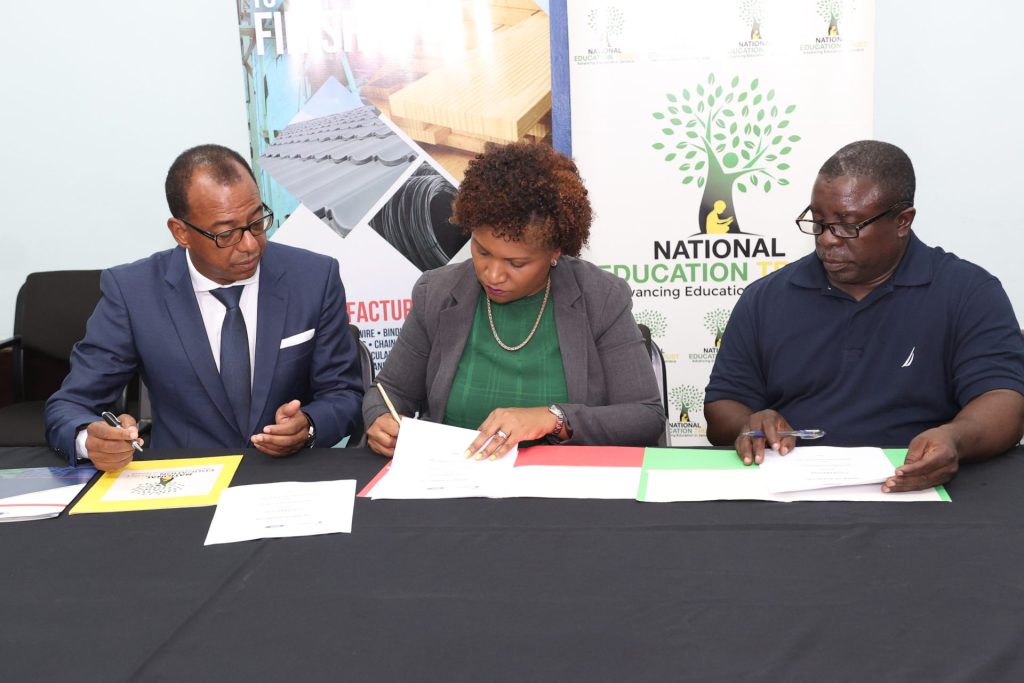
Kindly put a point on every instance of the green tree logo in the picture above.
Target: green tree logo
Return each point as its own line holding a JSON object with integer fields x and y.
{"x": 751, "y": 13}
{"x": 732, "y": 137}
{"x": 607, "y": 23}
{"x": 832, "y": 11}
{"x": 158, "y": 486}
{"x": 686, "y": 398}
{"x": 655, "y": 321}
{"x": 715, "y": 321}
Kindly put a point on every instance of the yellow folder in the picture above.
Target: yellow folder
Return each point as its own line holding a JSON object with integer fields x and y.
{"x": 159, "y": 484}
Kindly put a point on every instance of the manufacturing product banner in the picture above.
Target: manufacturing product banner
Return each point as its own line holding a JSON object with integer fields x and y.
{"x": 362, "y": 117}
{"x": 699, "y": 128}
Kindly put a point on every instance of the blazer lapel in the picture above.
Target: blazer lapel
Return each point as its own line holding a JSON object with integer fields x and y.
{"x": 453, "y": 331}
{"x": 573, "y": 330}
{"x": 271, "y": 310}
{"x": 180, "y": 300}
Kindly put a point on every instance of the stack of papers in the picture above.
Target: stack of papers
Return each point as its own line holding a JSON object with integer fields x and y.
{"x": 426, "y": 469}
{"x": 430, "y": 462}
{"x": 805, "y": 473}
{"x": 39, "y": 492}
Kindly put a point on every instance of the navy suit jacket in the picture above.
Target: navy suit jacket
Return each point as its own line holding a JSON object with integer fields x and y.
{"x": 148, "y": 321}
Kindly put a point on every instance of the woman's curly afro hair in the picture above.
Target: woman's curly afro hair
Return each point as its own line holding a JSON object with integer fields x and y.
{"x": 512, "y": 189}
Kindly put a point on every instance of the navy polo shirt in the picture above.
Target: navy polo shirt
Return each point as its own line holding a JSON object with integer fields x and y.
{"x": 876, "y": 372}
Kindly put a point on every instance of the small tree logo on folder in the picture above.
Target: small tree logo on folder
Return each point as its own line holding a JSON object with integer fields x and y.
{"x": 159, "y": 485}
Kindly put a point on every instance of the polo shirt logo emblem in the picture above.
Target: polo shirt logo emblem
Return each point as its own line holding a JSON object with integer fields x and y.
{"x": 910, "y": 359}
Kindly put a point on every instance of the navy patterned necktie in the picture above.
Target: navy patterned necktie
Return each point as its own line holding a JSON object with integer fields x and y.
{"x": 234, "y": 355}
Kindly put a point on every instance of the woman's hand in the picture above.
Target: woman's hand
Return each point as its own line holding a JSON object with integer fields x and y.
{"x": 382, "y": 435}
{"x": 509, "y": 426}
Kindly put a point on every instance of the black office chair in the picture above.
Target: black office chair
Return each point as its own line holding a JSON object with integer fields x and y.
{"x": 49, "y": 317}
{"x": 357, "y": 437}
{"x": 660, "y": 374}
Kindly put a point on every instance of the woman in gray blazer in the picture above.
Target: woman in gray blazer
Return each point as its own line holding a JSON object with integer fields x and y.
{"x": 524, "y": 342}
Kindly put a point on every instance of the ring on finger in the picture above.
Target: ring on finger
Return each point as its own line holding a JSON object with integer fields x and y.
{"x": 501, "y": 435}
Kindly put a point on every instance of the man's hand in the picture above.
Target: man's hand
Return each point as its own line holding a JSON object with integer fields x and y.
{"x": 506, "y": 427}
{"x": 287, "y": 435}
{"x": 751, "y": 448}
{"x": 110, "y": 448}
{"x": 988, "y": 425}
{"x": 932, "y": 459}
{"x": 382, "y": 435}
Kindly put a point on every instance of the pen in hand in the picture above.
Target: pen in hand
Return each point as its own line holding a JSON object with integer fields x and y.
{"x": 112, "y": 420}
{"x": 391, "y": 406}
{"x": 798, "y": 433}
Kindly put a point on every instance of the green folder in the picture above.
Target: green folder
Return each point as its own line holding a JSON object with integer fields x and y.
{"x": 724, "y": 459}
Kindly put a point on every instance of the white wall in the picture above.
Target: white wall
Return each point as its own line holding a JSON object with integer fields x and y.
{"x": 98, "y": 99}
{"x": 949, "y": 89}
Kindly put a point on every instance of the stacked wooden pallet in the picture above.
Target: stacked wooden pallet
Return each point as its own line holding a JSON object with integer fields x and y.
{"x": 499, "y": 91}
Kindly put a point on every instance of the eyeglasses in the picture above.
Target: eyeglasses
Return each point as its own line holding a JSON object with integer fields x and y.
{"x": 844, "y": 230}
{"x": 229, "y": 238}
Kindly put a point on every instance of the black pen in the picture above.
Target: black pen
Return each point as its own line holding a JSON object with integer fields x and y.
{"x": 114, "y": 422}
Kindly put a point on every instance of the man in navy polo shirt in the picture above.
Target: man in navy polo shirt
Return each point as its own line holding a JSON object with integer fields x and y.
{"x": 876, "y": 338}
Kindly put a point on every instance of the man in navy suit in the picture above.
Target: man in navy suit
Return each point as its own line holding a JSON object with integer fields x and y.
{"x": 240, "y": 342}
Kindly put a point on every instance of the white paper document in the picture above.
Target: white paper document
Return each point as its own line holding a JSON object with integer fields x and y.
{"x": 553, "y": 481}
{"x": 862, "y": 493}
{"x": 282, "y": 510}
{"x": 805, "y": 473}
{"x": 430, "y": 462}
{"x": 807, "y": 468}
{"x": 666, "y": 486}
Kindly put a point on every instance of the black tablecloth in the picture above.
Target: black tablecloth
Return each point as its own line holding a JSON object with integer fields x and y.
{"x": 525, "y": 589}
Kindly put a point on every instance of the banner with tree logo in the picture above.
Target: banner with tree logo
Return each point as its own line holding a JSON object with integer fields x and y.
{"x": 699, "y": 128}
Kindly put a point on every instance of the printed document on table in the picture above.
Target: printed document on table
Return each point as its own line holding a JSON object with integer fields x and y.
{"x": 699, "y": 474}
{"x": 283, "y": 510}
{"x": 430, "y": 462}
{"x": 808, "y": 468}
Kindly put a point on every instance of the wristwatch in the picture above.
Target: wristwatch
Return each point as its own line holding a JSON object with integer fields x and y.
{"x": 311, "y": 435}
{"x": 559, "y": 421}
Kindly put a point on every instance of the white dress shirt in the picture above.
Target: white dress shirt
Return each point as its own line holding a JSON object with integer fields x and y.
{"x": 213, "y": 312}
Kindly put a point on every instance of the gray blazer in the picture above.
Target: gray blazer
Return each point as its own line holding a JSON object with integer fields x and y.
{"x": 613, "y": 395}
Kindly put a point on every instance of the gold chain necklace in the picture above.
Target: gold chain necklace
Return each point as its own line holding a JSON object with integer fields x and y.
{"x": 536, "y": 323}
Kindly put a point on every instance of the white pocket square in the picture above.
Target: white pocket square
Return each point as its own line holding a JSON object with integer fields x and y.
{"x": 297, "y": 338}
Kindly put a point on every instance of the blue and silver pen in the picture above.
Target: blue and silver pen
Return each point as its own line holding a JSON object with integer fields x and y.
{"x": 798, "y": 433}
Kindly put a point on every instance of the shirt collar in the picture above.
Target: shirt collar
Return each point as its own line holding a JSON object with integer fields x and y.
{"x": 915, "y": 268}
{"x": 201, "y": 283}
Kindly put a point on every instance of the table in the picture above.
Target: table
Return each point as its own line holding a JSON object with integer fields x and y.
{"x": 525, "y": 589}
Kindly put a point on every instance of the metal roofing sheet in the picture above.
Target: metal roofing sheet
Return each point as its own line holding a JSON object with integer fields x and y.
{"x": 339, "y": 165}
